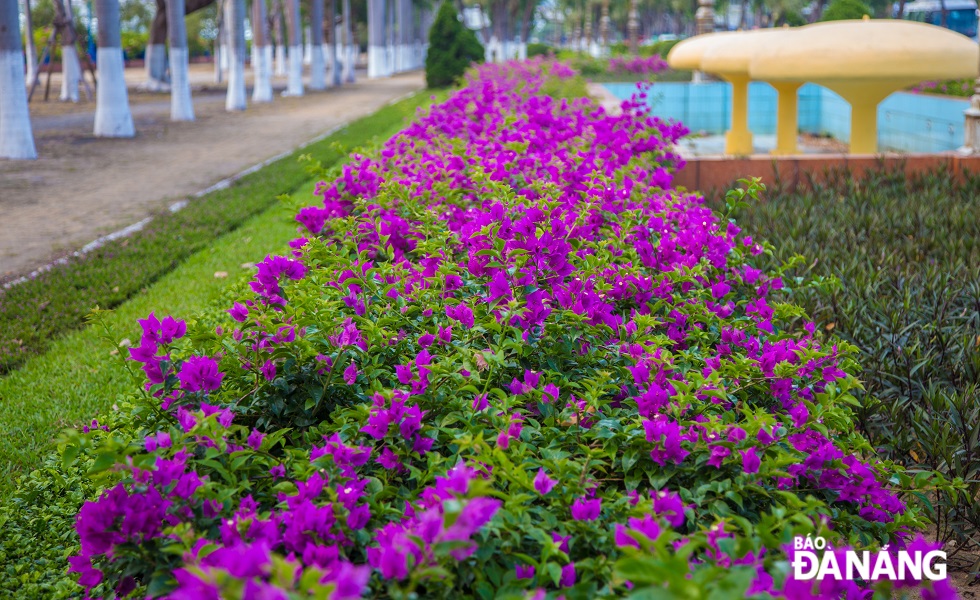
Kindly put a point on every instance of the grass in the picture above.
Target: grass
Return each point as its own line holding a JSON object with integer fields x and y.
{"x": 38, "y": 311}
{"x": 81, "y": 374}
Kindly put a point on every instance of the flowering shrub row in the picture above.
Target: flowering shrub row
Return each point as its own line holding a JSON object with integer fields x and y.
{"x": 505, "y": 359}
{"x": 638, "y": 65}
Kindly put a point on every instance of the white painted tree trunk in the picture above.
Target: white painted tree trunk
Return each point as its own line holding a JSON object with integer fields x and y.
{"x": 350, "y": 51}
{"x": 262, "y": 67}
{"x": 261, "y": 54}
{"x": 235, "y": 22}
{"x": 294, "y": 37}
{"x": 71, "y": 73}
{"x": 181, "y": 106}
{"x": 112, "y": 115}
{"x": 16, "y": 136}
{"x": 156, "y": 67}
{"x": 307, "y": 46}
{"x": 31, "y": 49}
{"x": 280, "y": 60}
{"x": 318, "y": 67}
{"x": 375, "y": 39}
{"x": 219, "y": 74}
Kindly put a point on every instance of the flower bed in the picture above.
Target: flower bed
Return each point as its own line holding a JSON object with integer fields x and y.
{"x": 505, "y": 359}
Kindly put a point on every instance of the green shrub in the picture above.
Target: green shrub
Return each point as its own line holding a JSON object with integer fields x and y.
{"x": 134, "y": 43}
{"x": 840, "y": 10}
{"x": 538, "y": 49}
{"x": 452, "y": 49}
{"x": 793, "y": 19}
{"x": 900, "y": 261}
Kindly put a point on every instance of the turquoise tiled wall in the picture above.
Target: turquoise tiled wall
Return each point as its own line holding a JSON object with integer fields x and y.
{"x": 906, "y": 122}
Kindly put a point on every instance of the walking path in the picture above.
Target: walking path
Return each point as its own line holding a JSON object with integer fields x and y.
{"x": 83, "y": 187}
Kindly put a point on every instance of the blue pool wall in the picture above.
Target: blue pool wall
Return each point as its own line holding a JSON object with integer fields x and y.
{"x": 906, "y": 122}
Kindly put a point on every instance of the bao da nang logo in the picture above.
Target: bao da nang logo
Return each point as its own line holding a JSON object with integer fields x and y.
{"x": 814, "y": 559}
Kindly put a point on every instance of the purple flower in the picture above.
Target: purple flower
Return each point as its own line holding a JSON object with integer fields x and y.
{"x": 568, "y": 575}
{"x": 239, "y": 312}
{"x": 544, "y": 484}
{"x": 718, "y": 454}
{"x": 524, "y": 571}
{"x": 269, "y": 370}
{"x": 647, "y": 527}
{"x": 200, "y": 374}
{"x": 255, "y": 439}
{"x": 586, "y": 509}
{"x": 161, "y": 439}
{"x": 669, "y": 506}
{"x": 350, "y": 374}
{"x": 480, "y": 402}
{"x": 719, "y": 290}
{"x": 750, "y": 461}
{"x": 499, "y": 286}
{"x": 550, "y": 393}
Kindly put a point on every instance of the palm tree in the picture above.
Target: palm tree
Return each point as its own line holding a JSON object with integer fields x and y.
{"x": 350, "y": 51}
{"x": 16, "y": 136}
{"x": 112, "y": 116}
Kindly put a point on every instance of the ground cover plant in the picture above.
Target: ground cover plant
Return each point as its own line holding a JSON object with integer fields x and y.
{"x": 504, "y": 359}
{"x": 36, "y": 312}
{"x": 899, "y": 261}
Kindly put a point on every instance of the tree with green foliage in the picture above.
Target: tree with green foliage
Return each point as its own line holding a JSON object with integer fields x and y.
{"x": 452, "y": 48}
{"x": 840, "y": 10}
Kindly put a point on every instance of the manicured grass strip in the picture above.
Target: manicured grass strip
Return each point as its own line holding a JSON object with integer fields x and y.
{"x": 36, "y": 312}
{"x": 77, "y": 378}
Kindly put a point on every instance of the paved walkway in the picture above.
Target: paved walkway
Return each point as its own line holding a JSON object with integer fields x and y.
{"x": 83, "y": 187}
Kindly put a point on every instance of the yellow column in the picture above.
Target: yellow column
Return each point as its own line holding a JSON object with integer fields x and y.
{"x": 738, "y": 140}
{"x": 864, "y": 126}
{"x": 787, "y": 121}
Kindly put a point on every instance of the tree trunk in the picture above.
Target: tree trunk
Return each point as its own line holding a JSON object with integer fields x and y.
{"x": 181, "y": 107}
{"x": 31, "y": 46}
{"x": 280, "y": 53}
{"x": 155, "y": 58}
{"x": 349, "y": 51}
{"x": 402, "y": 40}
{"x": 318, "y": 68}
{"x": 376, "y": 47}
{"x": 334, "y": 56}
{"x": 112, "y": 116}
{"x": 71, "y": 69}
{"x": 943, "y": 14}
{"x": 391, "y": 42}
{"x": 901, "y": 10}
{"x": 262, "y": 63}
{"x": 294, "y": 86}
{"x": 16, "y": 136}
{"x": 527, "y": 20}
{"x": 235, "y": 47}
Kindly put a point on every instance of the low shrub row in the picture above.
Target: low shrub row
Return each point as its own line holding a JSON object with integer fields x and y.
{"x": 505, "y": 359}
{"x": 35, "y": 312}
{"x": 897, "y": 263}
